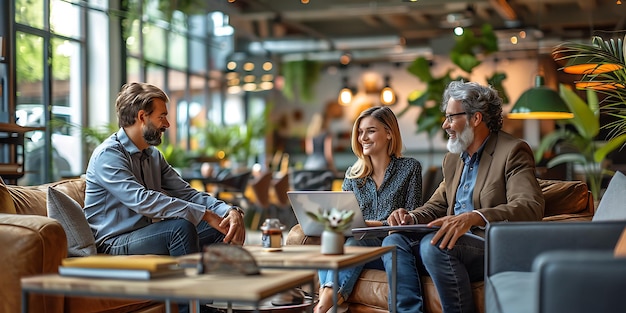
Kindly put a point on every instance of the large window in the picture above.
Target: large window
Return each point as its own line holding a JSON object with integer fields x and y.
{"x": 63, "y": 76}
{"x": 184, "y": 55}
{"x": 49, "y": 88}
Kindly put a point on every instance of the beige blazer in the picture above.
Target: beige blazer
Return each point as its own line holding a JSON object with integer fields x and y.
{"x": 506, "y": 186}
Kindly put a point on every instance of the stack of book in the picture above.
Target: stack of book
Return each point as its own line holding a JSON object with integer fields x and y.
{"x": 136, "y": 267}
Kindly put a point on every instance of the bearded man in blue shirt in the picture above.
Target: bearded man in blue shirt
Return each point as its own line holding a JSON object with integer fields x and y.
{"x": 135, "y": 202}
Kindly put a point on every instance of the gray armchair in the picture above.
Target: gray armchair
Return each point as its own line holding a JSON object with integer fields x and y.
{"x": 550, "y": 267}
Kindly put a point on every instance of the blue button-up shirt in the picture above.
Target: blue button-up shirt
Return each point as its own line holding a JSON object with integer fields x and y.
{"x": 464, "y": 193}
{"x": 127, "y": 189}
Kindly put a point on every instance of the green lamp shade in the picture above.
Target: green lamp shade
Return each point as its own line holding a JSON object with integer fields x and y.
{"x": 540, "y": 103}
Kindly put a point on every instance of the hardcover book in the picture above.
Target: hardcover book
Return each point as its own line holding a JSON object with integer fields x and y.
{"x": 140, "y": 267}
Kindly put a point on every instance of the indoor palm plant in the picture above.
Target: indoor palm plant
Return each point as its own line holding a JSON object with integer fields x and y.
{"x": 603, "y": 69}
{"x": 580, "y": 139}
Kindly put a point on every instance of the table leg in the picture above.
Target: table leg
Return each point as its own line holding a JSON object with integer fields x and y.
{"x": 24, "y": 301}
{"x": 168, "y": 306}
{"x": 312, "y": 284}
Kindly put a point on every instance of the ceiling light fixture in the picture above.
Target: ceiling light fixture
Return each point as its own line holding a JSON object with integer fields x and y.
{"x": 387, "y": 94}
{"x": 346, "y": 93}
{"x": 541, "y": 103}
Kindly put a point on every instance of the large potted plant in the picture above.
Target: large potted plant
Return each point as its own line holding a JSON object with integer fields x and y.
{"x": 580, "y": 139}
{"x": 602, "y": 67}
{"x": 464, "y": 56}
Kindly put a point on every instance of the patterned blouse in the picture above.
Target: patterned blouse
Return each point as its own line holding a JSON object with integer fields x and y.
{"x": 401, "y": 188}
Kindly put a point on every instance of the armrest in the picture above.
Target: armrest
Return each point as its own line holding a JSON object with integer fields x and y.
{"x": 297, "y": 237}
{"x": 580, "y": 281}
{"x": 513, "y": 246}
{"x": 31, "y": 245}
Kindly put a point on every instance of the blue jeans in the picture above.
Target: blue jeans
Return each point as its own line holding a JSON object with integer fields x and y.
{"x": 348, "y": 277}
{"x": 174, "y": 237}
{"x": 452, "y": 270}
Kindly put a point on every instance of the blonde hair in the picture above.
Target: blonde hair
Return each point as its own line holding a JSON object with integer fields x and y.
{"x": 363, "y": 166}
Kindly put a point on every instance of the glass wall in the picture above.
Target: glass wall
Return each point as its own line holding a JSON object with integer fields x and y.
{"x": 49, "y": 92}
{"x": 184, "y": 54}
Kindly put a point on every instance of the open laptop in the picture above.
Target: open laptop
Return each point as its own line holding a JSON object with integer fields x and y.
{"x": 302, "y": 201}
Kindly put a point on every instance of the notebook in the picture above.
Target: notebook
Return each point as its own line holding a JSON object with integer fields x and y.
{"x": 302, "y": 201}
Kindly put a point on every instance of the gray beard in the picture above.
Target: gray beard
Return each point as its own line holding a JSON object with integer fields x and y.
{"x": 462, "y": 141}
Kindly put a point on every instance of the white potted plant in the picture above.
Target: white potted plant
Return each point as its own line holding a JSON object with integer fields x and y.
{"x": 335, "y": 223}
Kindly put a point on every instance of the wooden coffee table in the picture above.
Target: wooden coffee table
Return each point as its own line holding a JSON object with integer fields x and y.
{"x": 195, "y": 289}
{"x": 309, "y": 257}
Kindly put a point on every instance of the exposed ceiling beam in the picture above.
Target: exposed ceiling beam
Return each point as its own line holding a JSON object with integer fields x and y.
{"x": 504, "y": 9}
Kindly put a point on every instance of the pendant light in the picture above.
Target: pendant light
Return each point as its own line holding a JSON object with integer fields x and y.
{"x": 346, "y": 93}
{"x": 540, "y": 102}
{"x": 387, "y": 94}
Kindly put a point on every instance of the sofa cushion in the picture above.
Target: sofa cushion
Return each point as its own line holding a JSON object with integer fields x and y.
{"x": 80, "y": 239}
{"x": 74, "y": 188}
{"x": 511, "y": 292}
{"x": 611, "y": 205}
{"x": 6, "y": 201}
{"x": 565, "y": 197}
{"x": 30, "y": 200}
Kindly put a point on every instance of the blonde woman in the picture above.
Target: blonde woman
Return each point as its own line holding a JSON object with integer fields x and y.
{"x": 382, "y": 181}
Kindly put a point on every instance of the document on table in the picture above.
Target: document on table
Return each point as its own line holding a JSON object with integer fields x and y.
{"x": 382, "y": 231}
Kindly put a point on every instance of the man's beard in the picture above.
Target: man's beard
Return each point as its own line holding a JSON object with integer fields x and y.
{"x": 462, "y": 141}
{"x": 152, "y": 135}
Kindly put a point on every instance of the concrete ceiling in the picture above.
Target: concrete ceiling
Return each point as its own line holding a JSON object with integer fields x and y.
{"x": 397, "y": 30}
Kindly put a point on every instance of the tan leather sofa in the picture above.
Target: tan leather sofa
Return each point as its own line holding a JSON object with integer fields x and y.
{"x": 34, "y": 244}
{"x": 565, "y": 201}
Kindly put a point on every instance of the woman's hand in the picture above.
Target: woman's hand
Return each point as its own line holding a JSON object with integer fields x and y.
{"x": 400, "y": 217}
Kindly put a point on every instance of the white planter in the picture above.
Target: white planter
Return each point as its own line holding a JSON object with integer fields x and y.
{"x": 332, "y": 242}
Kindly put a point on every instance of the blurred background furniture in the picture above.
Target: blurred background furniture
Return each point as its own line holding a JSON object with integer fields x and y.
{"x": 313, "y": 179}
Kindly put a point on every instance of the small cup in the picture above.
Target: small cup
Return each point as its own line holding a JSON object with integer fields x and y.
{"x": 272, "y": 237}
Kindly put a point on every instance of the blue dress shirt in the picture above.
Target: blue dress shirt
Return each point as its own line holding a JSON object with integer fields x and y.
{"x": 463, "y": 202}
{"x": 128, "y": 189}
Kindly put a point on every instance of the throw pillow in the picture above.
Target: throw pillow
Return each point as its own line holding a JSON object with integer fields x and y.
{"x": 613, "y": 203}
{"x": 565, "y": 197}
{"x": 80, "y": 240}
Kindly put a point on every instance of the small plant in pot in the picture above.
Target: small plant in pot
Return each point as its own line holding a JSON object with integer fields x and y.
{"x": 335, "y": 222}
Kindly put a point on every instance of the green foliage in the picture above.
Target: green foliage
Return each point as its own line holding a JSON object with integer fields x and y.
{"x": 463, "y": 55}
{"x": 174, "y": 155}
{"x": 235, "y": 141}
{"x": 464, "y": 52}
{"x": 300, "y": 78}
{"x": 97, "y": 134}
{"x": 603, "y": 53}
{"x": 588, "y": 153}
